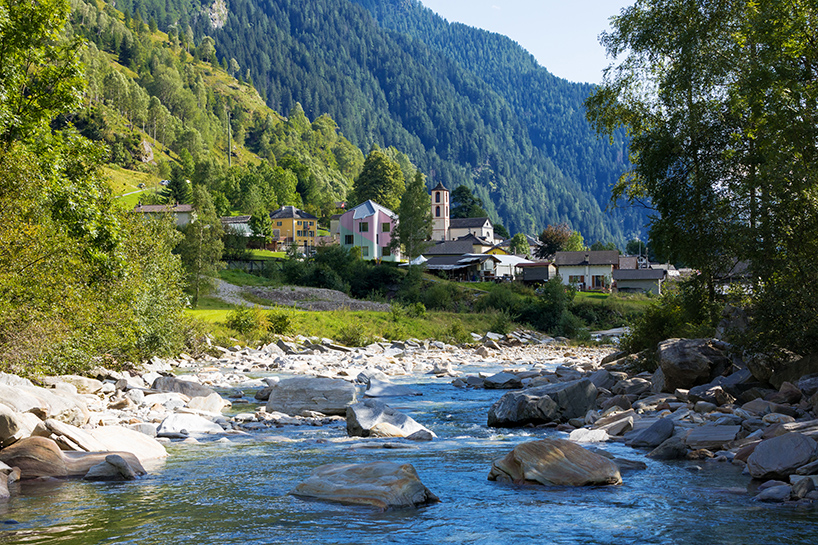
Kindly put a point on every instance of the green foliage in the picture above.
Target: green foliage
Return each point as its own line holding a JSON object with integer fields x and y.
{"x": 466, "y": 205}
{"x": 354, "y": 334}
{"x": 519, "y": 245}
{"x": 682, "y": 313}
{"x": 381, "y": 180}
{"x": 201, "y": 248}
{"x": 456, "y": 333}
{"x": 414, "y": 219}
{"x": 553, "y": 239}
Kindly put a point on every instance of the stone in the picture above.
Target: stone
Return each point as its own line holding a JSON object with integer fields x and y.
{"x": 788, "y": 394}
{"x": 558, "y": 401}
{"x": 653, "y": 436}
{"x": 779, "y": 457}
{"x": 186, "y": 424}
{"x": 364, "y": 416}
{"x": 620, "y": 401}
{"x": 602, "y": 378}
{"x": 808, "y": 385}
{"x": 83, "y": 385}
{"x": 186, "y": 387}
{"x": 384, "y": 485}
{"x": 673, "y": 448}
{"x": 617, "y": 423}
{"x": 802, "y": 487}
{"x": 584, "y": 435}
{"x": 711, "y": 437}
{"x": 688, "y": 362}
{"x": 777, "y": 418}
{"x": 554, "y": 462}
{"x": 84, "y": 440}
{"x": 121, "y": 439}
{"x": 710, "y": 394}
{"x": 657, "y": 381}
{"x": 41, "y": 457}
{"x": 808, "y": 469}
{"x": 113, "y": 468}
{"x": 502, "y": 381}
{"x": 325, "y": 395}
{"x": 780, "y": 493}
{"x": 212, "y": 403}
{"x": 760, "y": 407}
{"x": 384, "y": 388}
{"x": 11, "y": 429}
{"x": 634, "y": 386}
{"x": 793, "y": 368}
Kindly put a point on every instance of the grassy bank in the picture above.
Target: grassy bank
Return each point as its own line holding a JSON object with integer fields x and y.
{"x": 354, "y": 327}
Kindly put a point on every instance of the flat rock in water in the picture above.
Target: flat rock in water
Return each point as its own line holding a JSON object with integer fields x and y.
{"x": 113, "y": 468}
{"x": 584, "y": 435}
{"x": 212, "y": 403}
{"x": 186, "y": 387}
{"x": 370, "y": 416}
{"x": 554, "y": 462}
{"x": 324, "y": 395}
{"x": 185, "y": 424}
{"x": 381, "y": 388}
{"x": 41, "y": 457}
{"x": 502, "y": 381}
{"x": 654, "y": 435}
{"x": 711, "y": 437}
{"x": 384, "y": 485}
{"x": 779, "y": 457}
{"x": 119, "y": 438}
{"x": 673, "y": 448}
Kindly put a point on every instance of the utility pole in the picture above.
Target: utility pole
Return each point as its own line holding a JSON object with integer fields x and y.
{"x": 229, "y": 142}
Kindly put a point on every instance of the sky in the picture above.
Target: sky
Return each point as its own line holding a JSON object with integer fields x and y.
{"x": 561, "y": 34}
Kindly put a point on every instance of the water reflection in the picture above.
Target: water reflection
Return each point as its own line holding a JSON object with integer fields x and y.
{"x": 237, "y": 493}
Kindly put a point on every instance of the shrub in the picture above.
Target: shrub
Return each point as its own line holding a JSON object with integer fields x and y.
{"x": 455, "y": 333}
{"x": 354, "y": 335}
{"x": 280, "y": 321}
{"x": 246, "y": 320}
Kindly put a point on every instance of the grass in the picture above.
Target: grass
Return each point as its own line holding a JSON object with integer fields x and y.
{"x": 241, "y": 278}
{"x": 336, "y": 323}
{"x": 267, "y": 254}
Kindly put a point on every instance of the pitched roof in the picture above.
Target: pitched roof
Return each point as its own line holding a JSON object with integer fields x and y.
{"x": 291, "y": 212}
{"x": 450, "y": 247}
{"x": 369, "y": 208}
{"x": 158, "y": 208}
{"x": 639, "y": 274}
{"x": 464, "y": 223}
{"x": 473, "y": 239}
{"x": 439, "y": 187}
{"x": 536, "y": 264}
{"x": 605, "y": 257}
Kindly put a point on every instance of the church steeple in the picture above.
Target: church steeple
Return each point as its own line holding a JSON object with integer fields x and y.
{"x": 440, "y": 212}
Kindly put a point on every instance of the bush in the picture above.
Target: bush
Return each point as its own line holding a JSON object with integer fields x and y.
{"x": 455, "y": 333}
{"x": 682, "y": 312}
{"x": 247, "y": 320}
{"x": 353, "y": 335}
{"x": 280, "y": 321}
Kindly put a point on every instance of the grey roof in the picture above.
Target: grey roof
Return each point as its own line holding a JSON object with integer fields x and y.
{"x": 536, "y": 264}
{"x": 158, "y": 208}
{"x": 231, "y": 220}
{"x": 474, "y": 239}
{"x": 606, "y": 257}
{"x": 639, "y": 274}
{"x": 291, "y": 212}
{"x": 451, "y": 247}
{"x": 369, "y": 208}
{"x": 439, "y": 187}
{"x": 464, "y": 223}
{"x": 445, "y": 263}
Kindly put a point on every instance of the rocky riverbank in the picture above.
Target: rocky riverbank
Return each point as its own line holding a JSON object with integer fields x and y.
{"x": 114, "y": 426}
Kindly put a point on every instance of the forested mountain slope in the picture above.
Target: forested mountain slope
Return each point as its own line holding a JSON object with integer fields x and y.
{"x": 433, "y": 94}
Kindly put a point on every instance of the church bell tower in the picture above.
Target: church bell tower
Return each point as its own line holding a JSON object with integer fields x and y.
{"x": 440, "y": 212}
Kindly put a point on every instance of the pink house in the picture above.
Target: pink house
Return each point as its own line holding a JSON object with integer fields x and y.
{"x": 369, "y": 227}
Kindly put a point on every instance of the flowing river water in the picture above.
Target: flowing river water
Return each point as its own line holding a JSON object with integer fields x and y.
{"x": 236, "y": 493}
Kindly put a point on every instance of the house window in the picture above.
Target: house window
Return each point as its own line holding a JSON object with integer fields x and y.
{"x": 278, "y": 224}
{"x": 385, "y": 227}
{"x": 437, "y": 211}
{"x": 437, "y": 197}
{"x": 597, "y": 281}
{"x": 386, "y": 252}
{"x": 363, "y": 227}
{"x": 312, "y": 233}
{"x": 576, "y": 280}
{"x": 348, "y": 240}
{"x": 312, "y": 223}
{"x": 276, "y": 233}
{"x": 364, "y": 251}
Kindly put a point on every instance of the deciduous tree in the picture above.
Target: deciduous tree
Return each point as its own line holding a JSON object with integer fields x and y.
{"x": 414, "y": 227}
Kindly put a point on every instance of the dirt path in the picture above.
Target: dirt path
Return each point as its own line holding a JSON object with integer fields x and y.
{"x": 300, "y": 297}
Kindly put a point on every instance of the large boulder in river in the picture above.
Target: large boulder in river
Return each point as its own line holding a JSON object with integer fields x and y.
{"x": 558, "y": 401}
{"x": 324, "y": 395}
{"x": 688, "y": 362}
{"x": 186, "y": 387}
{"x": 554, "y": 462}
{"x": 779, "y": 457}
{"x": 41, "y": 457}
{"x": 121, "y": 439}
{"x": 385, "y": 485}
{"x": 364, "y": 418}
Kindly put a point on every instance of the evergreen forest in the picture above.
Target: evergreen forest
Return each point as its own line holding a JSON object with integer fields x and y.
{"x": 466, "y": 106}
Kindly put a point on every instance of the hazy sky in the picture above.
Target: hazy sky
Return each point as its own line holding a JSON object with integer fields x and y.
{"x": 561, "y": 34}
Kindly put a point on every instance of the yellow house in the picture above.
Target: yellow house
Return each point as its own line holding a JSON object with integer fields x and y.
{"x": 291, "y": 224}
{"x": 498, "y": 250}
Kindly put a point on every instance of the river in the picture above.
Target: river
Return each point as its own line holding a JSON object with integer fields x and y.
{"x": 236, "y": 493}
